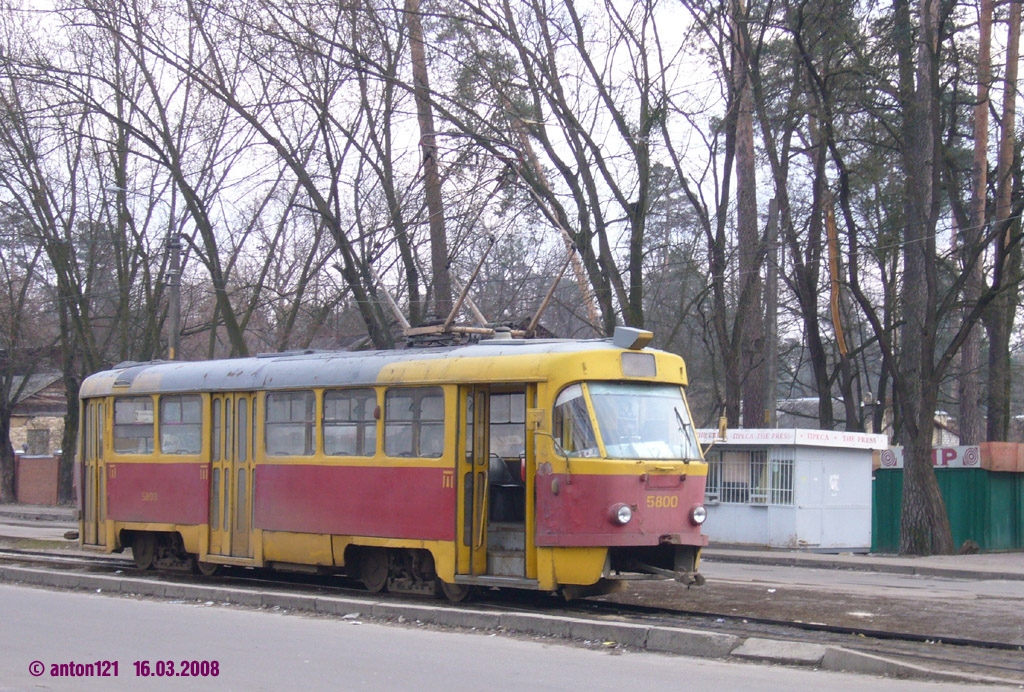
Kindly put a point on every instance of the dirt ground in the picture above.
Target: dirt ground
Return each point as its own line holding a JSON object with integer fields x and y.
{"x": 981, "y": 618}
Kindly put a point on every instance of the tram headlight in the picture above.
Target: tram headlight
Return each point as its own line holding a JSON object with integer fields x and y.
{"x": 621, "y": 514}
{"x": 698, "y": 514}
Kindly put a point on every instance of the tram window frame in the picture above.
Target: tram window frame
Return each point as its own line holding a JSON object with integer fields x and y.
{"x": 283, "y": 435}
{"x": 129, "y": 406}
{"x": 573, "y": 423}
{"x": 87, "y": 432}
{"x": 191, "y": 431}
{"x": 508, "y": 424}
{"x": 408, "y": 433}
{"x": 349, "y": 422}
{"x": 215, "y": 445}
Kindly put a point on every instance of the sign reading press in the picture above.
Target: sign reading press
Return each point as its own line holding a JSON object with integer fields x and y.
{"x": 942, "y": 458}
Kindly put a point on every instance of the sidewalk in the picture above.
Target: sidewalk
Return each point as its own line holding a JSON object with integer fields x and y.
{"x": 39, "y": 513}
{"x": 1008, "y": 566}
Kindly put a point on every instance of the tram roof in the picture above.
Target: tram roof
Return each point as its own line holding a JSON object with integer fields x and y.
{"x": 291, "y": 370}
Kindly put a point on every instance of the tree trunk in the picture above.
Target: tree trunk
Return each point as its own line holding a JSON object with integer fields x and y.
{"x": 6, "y": 458}
{"x": 431, "y": 177}
{"x": 999, "y": 320}
{"x": 750, "y": 320}
{"x": 806, "y": 266}
{"x": 969, "y": 384}
{"x": 69, "y": 443}
{"x": 924, "y": 525}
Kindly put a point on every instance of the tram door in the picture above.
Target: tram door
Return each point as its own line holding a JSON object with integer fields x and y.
{"x": 94, "y": 475}
{"x": 471, "y": 472}
{"x": 233, "y": 444}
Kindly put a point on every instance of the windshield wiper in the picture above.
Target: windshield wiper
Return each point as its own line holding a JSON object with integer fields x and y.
{"x": 682, "y": 429}
{"x": 679, "y": 419}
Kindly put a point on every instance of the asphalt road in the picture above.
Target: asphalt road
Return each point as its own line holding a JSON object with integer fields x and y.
{"x": 260, "y": 650}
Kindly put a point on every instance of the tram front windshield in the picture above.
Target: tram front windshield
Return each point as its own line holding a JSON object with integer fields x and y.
{"x": 634, "y": 420}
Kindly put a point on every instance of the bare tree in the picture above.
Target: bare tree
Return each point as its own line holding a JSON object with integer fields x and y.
{"x": 969, "y": 392}
{"x": 750, "y": 322}
{"x": 26, "y": 335}
{"x": 439, "y": 261}
{"x": 999, "y": 318}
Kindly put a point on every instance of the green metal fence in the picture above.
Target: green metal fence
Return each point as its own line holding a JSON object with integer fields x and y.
{"x": 986, "y": 507}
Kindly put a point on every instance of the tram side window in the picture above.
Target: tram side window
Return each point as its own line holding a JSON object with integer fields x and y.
{"x": 414, "y": 422}
{"x": 87, "y": 450}
{"x": 350, "y": 428}
{"x": 133, "y": 425}
{"x": 573, "y": 427}
{"x": 291, "y": 423}
{"x": 181, "y": 424}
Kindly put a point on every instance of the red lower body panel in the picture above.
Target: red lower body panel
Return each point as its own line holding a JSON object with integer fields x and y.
{"x": 576, "y": 510}
{"x": 158, "y": 493}
{"x": 413, "y": 503}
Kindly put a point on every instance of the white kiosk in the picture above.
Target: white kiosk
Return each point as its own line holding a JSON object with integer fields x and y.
{"x": 790, "y": 488}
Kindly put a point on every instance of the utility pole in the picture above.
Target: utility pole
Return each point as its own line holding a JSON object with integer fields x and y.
{"x": 174, "y": 309}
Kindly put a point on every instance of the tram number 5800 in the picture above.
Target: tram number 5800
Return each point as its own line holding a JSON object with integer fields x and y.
{"x": 662, "y": 501}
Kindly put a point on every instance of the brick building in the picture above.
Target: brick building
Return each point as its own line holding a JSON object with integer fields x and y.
{"x": 37, "y": 430}
{"x": 37, "y": 425}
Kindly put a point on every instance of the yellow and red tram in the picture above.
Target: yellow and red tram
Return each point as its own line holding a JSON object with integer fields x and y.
{"x": 536, "y": 464}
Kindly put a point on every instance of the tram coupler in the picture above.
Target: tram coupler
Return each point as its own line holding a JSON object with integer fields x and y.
{"x": 689, "y": 578}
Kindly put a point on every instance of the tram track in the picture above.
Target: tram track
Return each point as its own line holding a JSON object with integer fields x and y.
{"x": 1004, "y": 660}
{"x": 885, "y": 635}
{"x": 982, "y": 657}
{"x": 40, "y": 556}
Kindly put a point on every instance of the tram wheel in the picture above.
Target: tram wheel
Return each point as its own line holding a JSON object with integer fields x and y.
{"x": 456, "y": 593}
{"x": 207, "y": 569}
{"x": 144, "y": 549}
{"x": 374, "y": 568}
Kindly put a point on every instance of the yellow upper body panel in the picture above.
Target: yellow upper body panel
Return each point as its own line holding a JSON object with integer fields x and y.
{"x": 555, "y": 362}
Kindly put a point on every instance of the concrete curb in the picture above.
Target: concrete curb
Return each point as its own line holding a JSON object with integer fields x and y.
{"x": 837, "y": 658}
{"x": 778, "y": 651}
{"x": 673, "y": 640}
